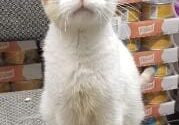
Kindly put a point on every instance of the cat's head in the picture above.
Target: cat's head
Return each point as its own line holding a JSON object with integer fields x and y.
{"x": 79, "y": 12}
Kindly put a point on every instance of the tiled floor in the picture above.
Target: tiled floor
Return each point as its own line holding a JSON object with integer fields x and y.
{"x": 20, "y": 108}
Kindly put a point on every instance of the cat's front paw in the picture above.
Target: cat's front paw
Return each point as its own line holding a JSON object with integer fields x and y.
{"x": 148, "y": 75}
{"x": 150, "y": 71}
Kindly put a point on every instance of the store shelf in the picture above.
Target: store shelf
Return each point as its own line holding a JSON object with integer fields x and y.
{"x": 145, "y": 28}
{"x": 167, "y": 108}
{"x": 20, "y": 72}
{"x": 161, "y": 84}
{"x": 17, "y": 45}
{"x": 147, "y": 58}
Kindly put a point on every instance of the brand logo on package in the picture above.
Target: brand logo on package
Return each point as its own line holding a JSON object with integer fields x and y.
{"x": 148, "y": 86}
{"x": 146, "y": 29}
{"x": 148, "y": 111}
{"x": 4, "y": 75}
{"x": 148, "y": 59}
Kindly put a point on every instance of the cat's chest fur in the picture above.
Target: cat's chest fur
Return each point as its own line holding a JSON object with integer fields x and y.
{"x": 82, "y": 56}
{"x": 81, "y": 53}
{"x": 83, "y": 63}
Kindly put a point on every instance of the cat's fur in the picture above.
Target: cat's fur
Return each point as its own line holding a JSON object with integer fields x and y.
{"x": 90, "y": 76}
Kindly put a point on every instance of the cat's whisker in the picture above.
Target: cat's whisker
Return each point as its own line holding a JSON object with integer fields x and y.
{"x": 114, "y": 24}
{"x": 108, "y": 10}
{"x": 65, "y": 26}
{"x": 133, "y": 15}
{"x": 98, "y": 14}
{"x": 125, "y": 4}
{"x": 68, "y": 17}
{"x": 120, "y": 12}
{"x": 130, "y": 7}
{"x": 105, "y": 17}
{"x": 63, "y": 10}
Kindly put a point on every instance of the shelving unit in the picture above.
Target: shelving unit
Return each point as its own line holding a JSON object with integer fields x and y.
{"x": 147, "y": 28}
{"x": 152, "y": 28}
{"x": 20, "y": 66}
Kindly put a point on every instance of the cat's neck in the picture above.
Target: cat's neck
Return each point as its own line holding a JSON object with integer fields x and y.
{"x": 83, "y": 34}
{"x": 81, "y": 41}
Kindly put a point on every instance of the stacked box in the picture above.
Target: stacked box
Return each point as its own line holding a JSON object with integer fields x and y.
{"x": 20, "y": 66}
{"x": 149, "y": 27}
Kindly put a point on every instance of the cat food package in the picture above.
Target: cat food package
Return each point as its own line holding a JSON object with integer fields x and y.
{"x": 26, "y": 85}
{"x": 17, "y": 45}
{"x": 19, "y": 52}
{"x": 13, "y": 57}
{"x": 20, "y": 72}
{"x": 133, "y": 44}
{"x": 157, "y": 42}
{"x": 32, "y": 56}
{"x": 157, "y": 9}
{"x": 162, "y": 70}
{"x": 163, "y": 109}
{"x": 156, "y": 98}
{"x": 165, "y": 78}
{"x": 21, "y": 57}
{"x": 5, "y": 87}
{"x": 148, "y": 58}
{"x": 147, "y": 28}
{"x": 158, "y": 104}
{"x": 161, "y": 84}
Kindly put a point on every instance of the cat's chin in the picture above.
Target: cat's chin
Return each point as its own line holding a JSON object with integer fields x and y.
{"x": 83, "y": 17}
{"x": 83, "y": 11}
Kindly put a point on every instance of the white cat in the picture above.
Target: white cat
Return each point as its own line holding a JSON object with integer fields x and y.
{"x": 90, "y": 76}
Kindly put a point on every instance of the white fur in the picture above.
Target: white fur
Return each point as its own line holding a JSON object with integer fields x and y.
{"x": 90, "y": 76}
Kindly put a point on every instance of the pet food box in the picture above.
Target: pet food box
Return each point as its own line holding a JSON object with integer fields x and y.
{"x": 20, "y": 85}
{"x": 146, "y": 58}
{"x": 18, "y": 52}
{"x": 26, "y": 85}
{"x": 20, "y": 72}
{"x": 17, "y": 45}
{"x": 158, "y": 104}
{"x": 161, "y": 84}
{"x": 147, "y": 30}
{"x": 5, "y": 87}
{"x": 20, "y": 67}
{"x": 163, "y": 109}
